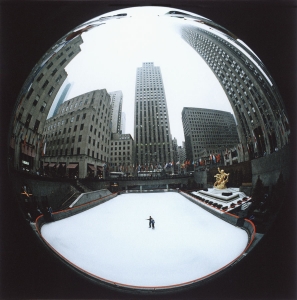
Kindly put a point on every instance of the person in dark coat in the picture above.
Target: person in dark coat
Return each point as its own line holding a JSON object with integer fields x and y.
{"x": 150, "y": 221}
{"x": 153, "y": 223}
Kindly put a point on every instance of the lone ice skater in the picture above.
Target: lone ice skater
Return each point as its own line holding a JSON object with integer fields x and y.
{"x": 150, "y": 221}
{"x": 153, "y": 223}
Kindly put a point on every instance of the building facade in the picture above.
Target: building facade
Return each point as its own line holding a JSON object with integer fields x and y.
{"x": 77, "y": 139}
{"x": 116, "y": 111}
{"x": 36, "y": 98}
{"x": 208, "y": 129}
{"x": 122, "y": 153}
{"x": 152, "y": 134}
{"x": 263, "y": 125}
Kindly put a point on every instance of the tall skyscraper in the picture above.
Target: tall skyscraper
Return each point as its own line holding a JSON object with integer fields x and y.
{"x": 151, "y": 121}
{"x": 207, "y": 129}
{"x": 116, "y": 110}
{"x": 257, "y": 104}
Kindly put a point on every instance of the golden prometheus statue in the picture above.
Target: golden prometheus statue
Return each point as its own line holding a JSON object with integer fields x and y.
{"x": 221, "y": 179}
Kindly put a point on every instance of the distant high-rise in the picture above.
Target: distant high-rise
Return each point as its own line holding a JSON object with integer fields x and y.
{"x": 62, "y": 98}
{"x": 123, "y": 123}
{"x": 116, "y": 111}
{"x": 181, "y": 151}
{"x": 174, "y": 153}
{"x": 208, "y": 129}
{"x": 151, "y": 121}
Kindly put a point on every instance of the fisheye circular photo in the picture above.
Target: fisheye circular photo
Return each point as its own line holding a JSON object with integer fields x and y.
{"x": 149, "y": 150}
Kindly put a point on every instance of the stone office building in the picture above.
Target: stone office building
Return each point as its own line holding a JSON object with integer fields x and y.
{"x": 152, "y": 134}
{"x": 258, "y": 108}
{"x": 36, "y": 98}
{"x": 78, "y": 137}
{"x": 122, "y": 153}
{"x": 209, "y": 130}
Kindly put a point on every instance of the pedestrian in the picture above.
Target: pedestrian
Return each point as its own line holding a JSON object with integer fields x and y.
{"x": 150, "y": 222}
{"x": 48, "y": 214}
{"x": 153, "y": 223}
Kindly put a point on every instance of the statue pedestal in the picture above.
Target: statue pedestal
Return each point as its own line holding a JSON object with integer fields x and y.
{"x": 226, "y": 195}
{"x": 226, "y": 199}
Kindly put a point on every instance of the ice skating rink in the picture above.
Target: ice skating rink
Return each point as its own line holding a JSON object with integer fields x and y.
{"x": 114, "y": 241}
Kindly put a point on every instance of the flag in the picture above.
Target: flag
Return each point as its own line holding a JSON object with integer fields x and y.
{"x": 281, "y": 127}
{"x": 255, "y": 140}
{"x": 249, "y": 150}
{"x": 21, "y": 134}
{"x": 263, "y": 131}
{"x": 44, "y": 149}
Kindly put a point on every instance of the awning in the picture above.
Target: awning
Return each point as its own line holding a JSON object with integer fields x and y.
{"x": 63, "y": 165}
{"x": 100, "y": 168}
{"x": 52, "y": 165}
{"x": 91, "y": 167}
{"x": 28, "y": 150}
{"x": 45, "y": 164}
{"x": 72, "y": 166}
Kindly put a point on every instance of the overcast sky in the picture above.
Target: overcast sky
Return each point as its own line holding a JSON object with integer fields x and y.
{"x": 112, "y": 52}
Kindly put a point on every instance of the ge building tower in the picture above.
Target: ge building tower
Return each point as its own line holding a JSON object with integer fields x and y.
{"x": 151, "y": 122}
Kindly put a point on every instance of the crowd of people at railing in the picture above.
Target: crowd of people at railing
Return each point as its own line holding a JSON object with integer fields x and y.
{"x": 32, "y": 207}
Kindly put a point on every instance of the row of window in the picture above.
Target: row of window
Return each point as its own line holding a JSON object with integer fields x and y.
{"x": 61, "y": 152}
{"x": 120, "y": 143}
{"x": 118, "y": 154}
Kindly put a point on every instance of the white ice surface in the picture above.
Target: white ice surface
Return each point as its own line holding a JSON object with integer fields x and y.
{"x": 114, "y": 241}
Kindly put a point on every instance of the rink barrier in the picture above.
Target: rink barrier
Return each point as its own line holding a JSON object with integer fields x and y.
{"x": 40, "y": 221}
{"x": 146, "y": 191}
{"x": 62, "y": 214}
{"x": 90, "y": 196}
